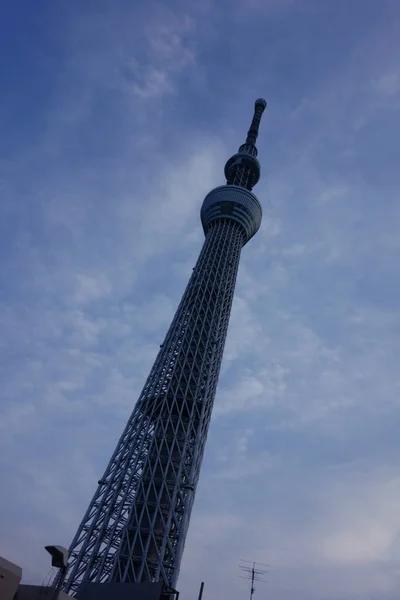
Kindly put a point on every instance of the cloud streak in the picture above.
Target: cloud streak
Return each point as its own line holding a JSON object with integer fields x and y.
{"x": 101, "y": 184}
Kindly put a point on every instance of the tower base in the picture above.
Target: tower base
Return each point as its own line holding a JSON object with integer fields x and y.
{"x": 126, "y": 591}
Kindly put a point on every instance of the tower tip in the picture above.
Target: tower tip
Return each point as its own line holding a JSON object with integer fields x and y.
{"x": 261, "y": 102}
{"x": 259, "y": 106}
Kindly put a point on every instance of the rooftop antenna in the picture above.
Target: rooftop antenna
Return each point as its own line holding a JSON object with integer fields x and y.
{"x": 253, "y": 573}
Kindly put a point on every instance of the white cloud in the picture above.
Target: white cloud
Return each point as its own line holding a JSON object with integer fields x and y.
{"x": 388, "y": 84}
{"x": 365, "y": 518}
{"x": 91, "y": 288}
{"x": 101, "y": 254}
{"x": 342, "y": 527}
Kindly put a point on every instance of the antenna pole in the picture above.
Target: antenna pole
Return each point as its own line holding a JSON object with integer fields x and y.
{"x": 252, "y": 582}
{"x": 253, "y": 574}
{"x": 201, "y": 590}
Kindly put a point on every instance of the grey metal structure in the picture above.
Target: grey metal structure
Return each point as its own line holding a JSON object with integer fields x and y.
{"x": 135, "y": 527}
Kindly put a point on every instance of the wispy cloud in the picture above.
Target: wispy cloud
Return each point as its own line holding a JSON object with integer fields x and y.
{"x": 101, "y": 189}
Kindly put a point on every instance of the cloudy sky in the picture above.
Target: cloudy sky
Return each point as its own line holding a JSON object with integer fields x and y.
{"x": 116, "y": 119}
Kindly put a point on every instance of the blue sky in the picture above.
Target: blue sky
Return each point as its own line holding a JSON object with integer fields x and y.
{"x": 116, "y": 120}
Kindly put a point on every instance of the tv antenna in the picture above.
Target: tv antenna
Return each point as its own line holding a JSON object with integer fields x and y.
{"x": 253, "y": 572}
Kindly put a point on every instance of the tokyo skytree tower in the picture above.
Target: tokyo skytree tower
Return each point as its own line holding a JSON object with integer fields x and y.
{"x": 135, "y": 527}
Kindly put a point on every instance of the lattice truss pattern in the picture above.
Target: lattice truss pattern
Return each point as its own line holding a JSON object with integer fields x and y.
{"x": 239, "y": 173}
{"x": 135, "y": 527}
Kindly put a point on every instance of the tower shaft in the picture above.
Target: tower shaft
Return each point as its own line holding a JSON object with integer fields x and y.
{"x": 136, "y": 524}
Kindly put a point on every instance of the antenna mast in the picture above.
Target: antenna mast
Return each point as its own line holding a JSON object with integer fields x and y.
{"x": 253, "y": 573}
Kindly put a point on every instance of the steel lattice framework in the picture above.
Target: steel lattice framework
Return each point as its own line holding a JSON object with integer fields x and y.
{"x": 135, "y": 527}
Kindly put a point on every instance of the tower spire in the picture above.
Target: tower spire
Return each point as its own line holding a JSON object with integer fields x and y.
{"x": 243, "y": 168}
{"x": 259, "y": 107}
